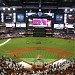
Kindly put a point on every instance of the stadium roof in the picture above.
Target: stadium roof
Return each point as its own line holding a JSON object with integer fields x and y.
{"x": 38, "y": 3}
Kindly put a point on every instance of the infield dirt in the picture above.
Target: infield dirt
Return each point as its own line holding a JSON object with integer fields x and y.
{"x": 60, "y": 53}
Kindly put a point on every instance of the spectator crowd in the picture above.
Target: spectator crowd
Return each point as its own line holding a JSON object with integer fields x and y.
{"x": 10, "y": 67}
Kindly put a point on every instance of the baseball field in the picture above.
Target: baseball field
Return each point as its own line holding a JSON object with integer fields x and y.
{"x": 28, "y": 48}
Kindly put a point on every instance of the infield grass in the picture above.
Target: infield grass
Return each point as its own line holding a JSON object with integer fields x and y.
{"x": 18, "y": 43}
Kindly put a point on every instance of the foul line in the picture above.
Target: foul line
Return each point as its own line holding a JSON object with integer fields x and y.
{"x": 5, "y": 42}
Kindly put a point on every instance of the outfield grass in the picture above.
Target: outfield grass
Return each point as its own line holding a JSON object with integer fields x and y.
{"x": 1, "y": 41}
{"x": 16, "y": 43}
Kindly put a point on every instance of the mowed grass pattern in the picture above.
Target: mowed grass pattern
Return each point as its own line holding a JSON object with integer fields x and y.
{"x": 35, "y": 53}
{"x": 18, "y": 43}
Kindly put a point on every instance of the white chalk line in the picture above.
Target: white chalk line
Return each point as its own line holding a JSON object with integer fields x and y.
{"x": 5, "y": 42}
